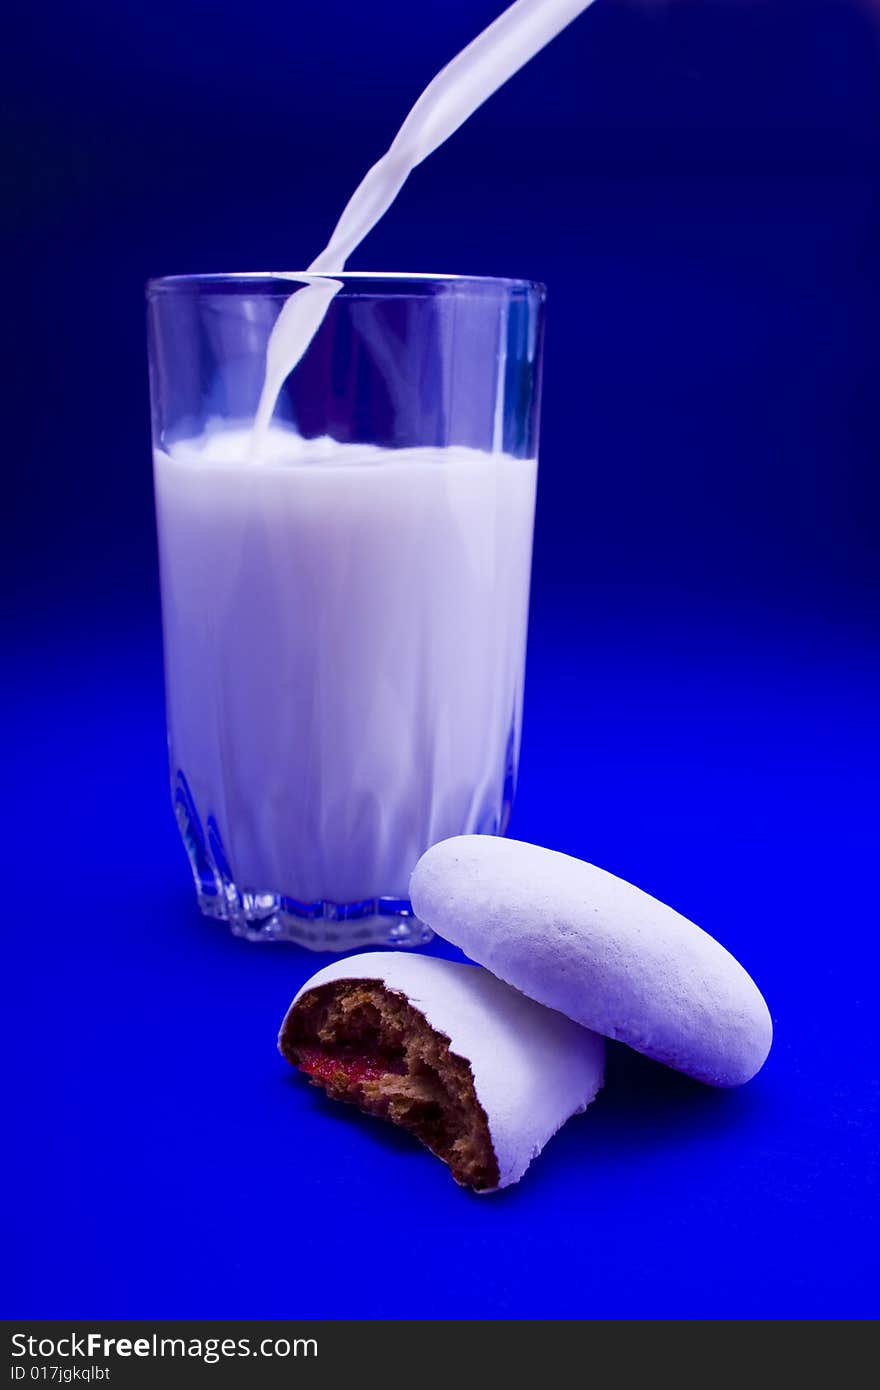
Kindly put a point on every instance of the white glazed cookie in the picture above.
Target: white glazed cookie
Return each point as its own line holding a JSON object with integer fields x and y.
{"x": 598, "y": 949}
{"x": 481, "y": 1074}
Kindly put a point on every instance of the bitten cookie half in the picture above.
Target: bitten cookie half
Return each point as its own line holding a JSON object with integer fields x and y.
{"x": 480, "y": 1074}
{"x": 598, "y": 949}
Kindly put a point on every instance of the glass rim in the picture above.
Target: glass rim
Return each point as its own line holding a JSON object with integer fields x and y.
{"x": 282, "y": 283}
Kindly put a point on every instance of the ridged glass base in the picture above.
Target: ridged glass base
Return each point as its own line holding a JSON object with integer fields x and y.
{"x": 319, "y": 926}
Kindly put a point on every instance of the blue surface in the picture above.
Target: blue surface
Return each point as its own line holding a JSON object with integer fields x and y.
{"x": 173, "y": 1165}
{"x": 698, "y": 186}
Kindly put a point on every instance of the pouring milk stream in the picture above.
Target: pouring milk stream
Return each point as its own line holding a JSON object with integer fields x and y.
{"x": 446, "y": 103}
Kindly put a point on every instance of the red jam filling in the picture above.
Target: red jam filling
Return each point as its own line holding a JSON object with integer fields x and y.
{"x": 351, "y": 1068}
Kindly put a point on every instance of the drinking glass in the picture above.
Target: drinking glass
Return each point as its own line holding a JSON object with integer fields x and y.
{"x": 344, "y": 612}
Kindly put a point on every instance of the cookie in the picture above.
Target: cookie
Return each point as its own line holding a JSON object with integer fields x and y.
{"x": 599, "y": 950}
{"x": 480, "y": 1074}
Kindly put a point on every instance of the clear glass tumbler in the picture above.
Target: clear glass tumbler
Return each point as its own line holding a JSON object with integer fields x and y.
{"x": 344, "y": 613}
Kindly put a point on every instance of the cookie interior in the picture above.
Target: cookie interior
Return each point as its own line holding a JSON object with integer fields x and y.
{"x": 366, "y": 1045}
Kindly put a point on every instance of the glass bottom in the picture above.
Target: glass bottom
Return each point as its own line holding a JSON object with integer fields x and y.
{"x": 319, "y": 926}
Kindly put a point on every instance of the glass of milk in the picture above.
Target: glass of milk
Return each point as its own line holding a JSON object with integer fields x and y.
{"x": 344, "y": 601}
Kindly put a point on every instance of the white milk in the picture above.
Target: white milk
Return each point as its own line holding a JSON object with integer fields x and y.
{"x": 449, "y": 99}
{"x": 344, "y": 636}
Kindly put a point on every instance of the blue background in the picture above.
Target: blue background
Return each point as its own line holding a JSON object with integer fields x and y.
{"x": 697, "y": 184}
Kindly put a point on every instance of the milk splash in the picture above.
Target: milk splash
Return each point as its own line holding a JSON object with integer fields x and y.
{"x": 445, "y": 104}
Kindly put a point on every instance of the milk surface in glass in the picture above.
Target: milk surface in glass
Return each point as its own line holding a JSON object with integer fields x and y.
{"x": 345, "y": 634}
